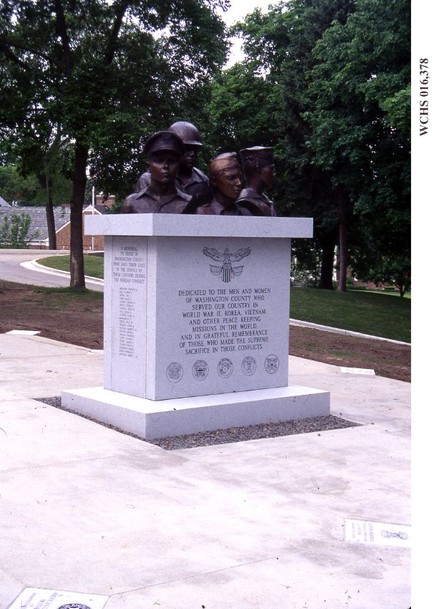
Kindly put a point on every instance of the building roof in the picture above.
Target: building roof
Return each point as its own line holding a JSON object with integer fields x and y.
{"x": 38, "y": 226}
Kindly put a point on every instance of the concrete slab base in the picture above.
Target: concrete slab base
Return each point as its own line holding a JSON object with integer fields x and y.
{"x": 150, "y": 419}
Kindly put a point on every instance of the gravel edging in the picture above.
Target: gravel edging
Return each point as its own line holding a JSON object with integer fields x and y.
{"x": 253, "y": 432}
{"x": 233, "y": 434}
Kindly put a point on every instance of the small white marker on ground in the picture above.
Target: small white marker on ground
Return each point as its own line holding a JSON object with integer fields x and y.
{"x": 367, "y": 371}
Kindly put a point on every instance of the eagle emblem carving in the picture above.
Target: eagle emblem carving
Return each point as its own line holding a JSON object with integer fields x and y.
{"x": 225, "y": 269}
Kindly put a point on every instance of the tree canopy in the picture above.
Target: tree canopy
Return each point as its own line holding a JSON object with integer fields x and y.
{"x": 359, "y": 117}
{"x": 328, "y": 84}
{"x": 104, "y": 75}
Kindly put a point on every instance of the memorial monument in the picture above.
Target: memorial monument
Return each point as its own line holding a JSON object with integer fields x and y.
{"x": 196, "y": 319}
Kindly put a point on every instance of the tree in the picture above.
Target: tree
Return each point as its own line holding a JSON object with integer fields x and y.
{"x": 359, "y": 115}
{"x": 104, "y": 73}
{"x": 342, "y": 70}
{"x": 245, "y": 109}
{"x": 313, "y": 191}
{"x": 278, "y": 46}
{"x": 45, "y": 155}
{"x": 16, "y": 189}
{"x": 14, "y": 231}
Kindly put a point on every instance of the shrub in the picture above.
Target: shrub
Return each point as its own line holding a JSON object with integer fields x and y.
{"x": 14, "y": 231}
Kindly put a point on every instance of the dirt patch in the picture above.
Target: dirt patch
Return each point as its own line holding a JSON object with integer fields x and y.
{"x": 70, "y": 317}
{"x": 388, "y": 359}
{"x": 77, "y": 318}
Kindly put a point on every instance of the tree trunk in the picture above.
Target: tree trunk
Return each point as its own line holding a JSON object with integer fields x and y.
{"x": 328, "y": 244}
{"x": 77, "y": 265}
{"x": 343, "y": 233}
{"x": 46, "y": 184}
{"x": 50, "y": 215}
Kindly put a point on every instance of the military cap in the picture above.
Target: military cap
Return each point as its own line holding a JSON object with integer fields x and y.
{"x": 264, "y": 154}
{"x": 164, "y": 141}
{"x": 227, "y": 160}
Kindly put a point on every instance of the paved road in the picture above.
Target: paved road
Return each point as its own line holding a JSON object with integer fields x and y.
{"x": 21, "y": 266}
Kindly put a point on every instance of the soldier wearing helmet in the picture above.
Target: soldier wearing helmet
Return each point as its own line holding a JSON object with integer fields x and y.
{"x": 190, "y": 179}
{"x": 164, "y": 151}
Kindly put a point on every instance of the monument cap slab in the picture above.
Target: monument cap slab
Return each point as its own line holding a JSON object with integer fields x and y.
{"x": 185, "y": 225}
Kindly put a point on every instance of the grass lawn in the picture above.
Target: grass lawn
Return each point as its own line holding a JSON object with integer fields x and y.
{"x": 93, "y": 264}
{"x": 372, "y": 313}
{"x": 378, "y": 314}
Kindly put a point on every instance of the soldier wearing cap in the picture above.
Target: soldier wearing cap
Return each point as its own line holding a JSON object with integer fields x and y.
{"x": 225, "y": 178}
{"x": 190, "y": 179}
{"x": 163, "y": 150}
{"x": 259, "y": 171}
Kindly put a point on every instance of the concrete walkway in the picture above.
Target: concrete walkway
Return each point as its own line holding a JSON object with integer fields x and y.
{"x": 268, "y": 524}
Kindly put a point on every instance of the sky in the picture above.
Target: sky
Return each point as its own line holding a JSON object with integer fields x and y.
{"x": 237, "y": 11}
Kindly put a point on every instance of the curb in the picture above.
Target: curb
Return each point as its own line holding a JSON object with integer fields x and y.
{"x": 35, "y": 266}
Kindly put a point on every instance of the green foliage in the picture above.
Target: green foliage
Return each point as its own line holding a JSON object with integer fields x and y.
{"x": 15, "y": 188}
{"x": 246, "y": 109}
{"x": 279, "y": 46}
{"x": 361, "y": 67}
{"x": 360, "y": 118}
{"x": 107, "y": 74}
{"x": 14, "y": 231}
{"x": 374, "y": 266}
{"x": 102, "y": 75}
{"x": 305, "y": 263}
{"x": 328, "y": 85}
{"x": 28, "y": 190}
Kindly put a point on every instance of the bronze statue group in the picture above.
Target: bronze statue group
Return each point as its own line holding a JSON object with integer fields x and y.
{"x": 173, "y": 184}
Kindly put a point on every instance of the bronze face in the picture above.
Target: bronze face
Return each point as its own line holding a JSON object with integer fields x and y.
{"x": 267, "y": 174}
{"x": 189, "y": 159}
{"x": 229, "y": 183}
{"x": 163, "y": 167}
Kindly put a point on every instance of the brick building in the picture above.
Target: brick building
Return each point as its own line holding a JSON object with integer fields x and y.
{"x": 38, "y": 231}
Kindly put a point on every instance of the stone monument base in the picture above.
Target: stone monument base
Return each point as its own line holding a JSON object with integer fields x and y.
{"x": 150, "y": 419}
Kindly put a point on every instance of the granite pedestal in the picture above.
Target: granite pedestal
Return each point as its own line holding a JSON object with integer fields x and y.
{"x": 196, "y": 324}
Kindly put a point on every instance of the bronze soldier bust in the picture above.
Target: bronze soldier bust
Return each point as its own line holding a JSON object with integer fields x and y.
{"x": 164, "y": 151}
{"x": 189, "y": 179}
{"x": 259, "y": 171}
{"x": 225, "y": 178}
